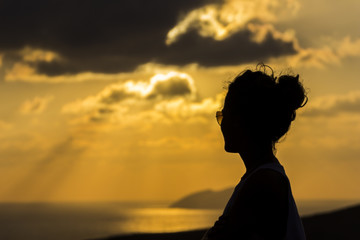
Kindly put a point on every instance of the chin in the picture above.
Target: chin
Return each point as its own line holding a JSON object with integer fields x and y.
{"x": 230, "y": 149}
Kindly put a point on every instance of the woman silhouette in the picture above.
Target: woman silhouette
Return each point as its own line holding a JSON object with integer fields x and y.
{"x": 257, "y": 112}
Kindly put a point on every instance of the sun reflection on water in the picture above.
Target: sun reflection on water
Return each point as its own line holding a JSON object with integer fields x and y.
{"x": 155, "y": 220}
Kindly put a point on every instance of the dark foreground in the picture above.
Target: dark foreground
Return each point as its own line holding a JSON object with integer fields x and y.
{"x": 338, "y": 225}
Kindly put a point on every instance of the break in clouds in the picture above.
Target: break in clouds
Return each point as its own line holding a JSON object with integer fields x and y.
{"x": 118, "y": 36}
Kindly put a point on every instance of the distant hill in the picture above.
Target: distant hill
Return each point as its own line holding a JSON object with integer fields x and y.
{"x": 343, "y": 224}
{"x": 205, "y": 199}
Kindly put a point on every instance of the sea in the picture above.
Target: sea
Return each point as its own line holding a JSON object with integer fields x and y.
{"x": 80, "y": 221}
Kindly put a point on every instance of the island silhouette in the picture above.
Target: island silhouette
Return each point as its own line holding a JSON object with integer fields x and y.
{"x": 207, "y": 199}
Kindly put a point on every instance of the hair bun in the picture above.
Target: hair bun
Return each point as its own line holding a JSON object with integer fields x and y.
{"x": 292, "y": 91}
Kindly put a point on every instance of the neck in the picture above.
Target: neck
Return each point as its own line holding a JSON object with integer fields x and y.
{"x": 257, "y": 156}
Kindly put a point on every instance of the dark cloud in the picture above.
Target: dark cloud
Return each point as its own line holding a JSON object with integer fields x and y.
{"x": 234, "y": 50}
{"x": 114, "y": 36}
{"x": 172, "y": 87}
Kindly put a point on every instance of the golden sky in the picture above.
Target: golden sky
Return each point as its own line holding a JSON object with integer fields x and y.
{"x": 114, "y": 100}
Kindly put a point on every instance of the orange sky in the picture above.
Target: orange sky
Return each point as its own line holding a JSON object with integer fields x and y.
{"x": 87, "y": 118}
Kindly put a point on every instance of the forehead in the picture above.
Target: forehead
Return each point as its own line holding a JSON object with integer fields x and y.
{"x": 235, "y": 101}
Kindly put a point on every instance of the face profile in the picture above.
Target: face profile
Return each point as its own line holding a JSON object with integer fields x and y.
{"x": 231, "y": 129}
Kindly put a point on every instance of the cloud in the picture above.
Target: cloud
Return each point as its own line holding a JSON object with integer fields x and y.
{"x": 332, "y": 53}
{"x": 110, "y": 37}
{"x": 170, "y": 85}
{"x": 334, "y": 105}
{"x": 220, "y": 21}
{"x": 97, "y": 36}
{"x": 35, "y": 55}
{"x": 262, "y": 31}
{"x": 36, "y": 105}
{"x": 165, "y": 97}
{"x": 167, "y": 85}
{"x": 23, "y": 72}
{"x": 237, "y": 49}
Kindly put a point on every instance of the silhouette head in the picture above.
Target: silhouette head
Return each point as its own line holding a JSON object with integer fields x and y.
{"x": 259, "y": 108}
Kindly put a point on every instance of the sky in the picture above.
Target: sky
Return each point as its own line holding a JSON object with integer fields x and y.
{"x": 116, "y": 100}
